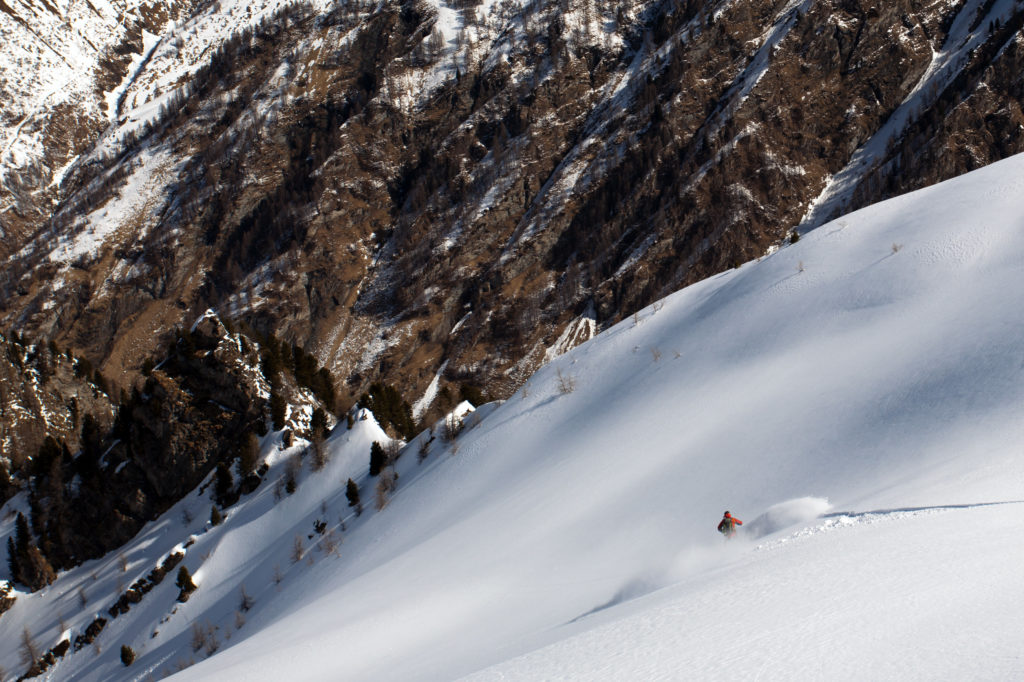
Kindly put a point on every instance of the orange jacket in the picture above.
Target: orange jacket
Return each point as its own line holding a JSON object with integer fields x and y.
{"x": 731, "y": 521}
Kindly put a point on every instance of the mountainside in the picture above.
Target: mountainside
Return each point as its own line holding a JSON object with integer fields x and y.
{"x": 64, "y": 69}
{"x": 855, "y": 398}
{"x": 431, "y": 195}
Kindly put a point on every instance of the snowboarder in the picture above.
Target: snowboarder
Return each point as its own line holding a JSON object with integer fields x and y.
{"x": 727, "y": 526}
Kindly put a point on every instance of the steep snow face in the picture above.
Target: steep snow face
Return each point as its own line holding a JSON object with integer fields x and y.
{"x": 876, "y": 363}
{"x": 856, "y": 398}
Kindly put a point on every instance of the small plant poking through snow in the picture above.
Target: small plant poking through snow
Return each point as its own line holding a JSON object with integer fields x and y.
{"x": 330, "y": 542}
{"x": 453, "y": 425}
{"x": 204, "y": 637}
{"x": 29, "y": 648}
{"x": 297, "y": 550}
{"x": 244, "y": 601}
{"x": 127, "y": 655}
{"x": 291, "y": 474}
{"x": 896, "y": 247}
{"x": 385, "y": 486}
{"x": 566, "y": 382}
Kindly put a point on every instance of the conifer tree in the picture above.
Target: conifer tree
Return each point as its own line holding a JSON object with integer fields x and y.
{"x": 223, "y": 485}
{"x": 377, "y": 458}
{"x": 352, "y": 493}
{"x": 185, "y": 584}
{"x": 13, "y": 565}
{"x": 249, "y": 454}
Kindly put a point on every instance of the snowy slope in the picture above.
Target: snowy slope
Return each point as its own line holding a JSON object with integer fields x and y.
{"x": 877, "y": 363}
{"x": 568, "y": 533}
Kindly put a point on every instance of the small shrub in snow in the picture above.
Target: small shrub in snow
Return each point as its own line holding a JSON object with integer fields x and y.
{"x": 392, "y": 451}
{"x": 794, "y": 237}
{"x": 452, "y": 427}
{"x": 29, "y": 648}
{"x": 329, "y": 543}
{"x": 385, "y": 486}
{"x": 245, "y": 601}
{"x": 896, "y": 247}
{"x": 424, "y": 449}
{"x": 320, "y": 453}
{"x": 239, "y": 620}
{"x": 186, "y": 516}
{"x": 297, "y": 550}
{"x": 656, "y": 353}
{"x": 184, "y": 664}
{"x": 122, "y": 562}
{"x": 278, "y": 576}
{"x": 215, "y": 516}
{"x": 291, "y": 474}
{"x": 212, "y": 643}
{"x": 200, "y": 637}
{"x": 566, "y": 382}
{"x": 127, "y": 655}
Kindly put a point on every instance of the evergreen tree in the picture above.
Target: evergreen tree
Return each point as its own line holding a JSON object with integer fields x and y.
{"x": 224, "y": 485}
{"x": 249, "y": 454}
{"x": 127, "y": 655}
{"x": 215, "y": 516}
{"x": 185, "y": 584}
{"x": 278, "y": 409}
{"x": 377, "y": 458}
{"x": 318, "y": 424}
{"x": 352, "y": 493}
{"x": 22, "y": 535}
{"x": 13, "y": 565}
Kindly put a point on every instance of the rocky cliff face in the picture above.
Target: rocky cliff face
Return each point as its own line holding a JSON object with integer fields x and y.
{"x": 416, "y": 191}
